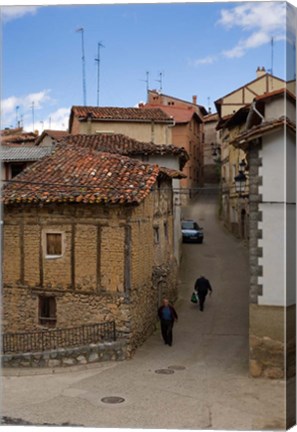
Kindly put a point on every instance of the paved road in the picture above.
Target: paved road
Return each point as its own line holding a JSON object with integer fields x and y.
{"x": 209, "y": 387}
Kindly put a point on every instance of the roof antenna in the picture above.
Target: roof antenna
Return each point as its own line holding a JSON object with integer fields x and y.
{"x": 81, "y": 30}
{"x": 98, "y": 70}
{"x": 160, "y": 80}
{"x": 272, "y": 49}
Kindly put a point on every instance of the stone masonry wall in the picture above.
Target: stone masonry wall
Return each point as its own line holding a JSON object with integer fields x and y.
{"x": 105, "y": 272}
{"x": 65, "y": 357}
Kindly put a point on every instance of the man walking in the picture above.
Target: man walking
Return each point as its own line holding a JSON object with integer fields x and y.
{"x": 167, "y": 315}
{"x": 202, "y": 286}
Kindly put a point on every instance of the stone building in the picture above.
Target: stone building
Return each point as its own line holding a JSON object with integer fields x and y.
{"x": 88, "y": 237}
{"x": 151, "y": 125}
{"x": 270, "y": 143}
{"x": 168, "y": 156}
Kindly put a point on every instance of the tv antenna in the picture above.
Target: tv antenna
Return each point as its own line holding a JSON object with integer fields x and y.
{"x": 17, "y": 116}
{"x": 32, "y": 106}
{"x": 160, "y": 81}
{"x": 81, "y": 30}
{"x": 272, "y": 52}
{"x": 98, "y": 70}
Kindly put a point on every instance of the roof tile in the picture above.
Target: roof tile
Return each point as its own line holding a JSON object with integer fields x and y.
{"x": 77, "y": 174}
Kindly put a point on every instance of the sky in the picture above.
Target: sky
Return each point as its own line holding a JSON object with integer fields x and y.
{"x": 203, "y": 49}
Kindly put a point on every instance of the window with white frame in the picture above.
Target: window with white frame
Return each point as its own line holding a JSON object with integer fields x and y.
{"x": 53, "y": 244}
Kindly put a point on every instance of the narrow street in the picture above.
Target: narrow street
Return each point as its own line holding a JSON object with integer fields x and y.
{"x": 208, "y": 386}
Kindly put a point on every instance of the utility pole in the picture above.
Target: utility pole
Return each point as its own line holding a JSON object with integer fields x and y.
{"x": 81, "y": 30}
{"x": 98, "y": 70}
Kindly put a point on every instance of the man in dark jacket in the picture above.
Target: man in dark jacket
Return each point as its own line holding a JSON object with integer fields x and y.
{"x": 202, "y": 286}
{"x": 167, "y": 315}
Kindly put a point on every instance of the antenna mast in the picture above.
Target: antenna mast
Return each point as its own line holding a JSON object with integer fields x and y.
{"x": 81, "y": 30}
{"x": 272, "y": 49}
{"x": 160, "y": 80}
{"x": 32, "y": 106}
{"x": 98, "y": 70}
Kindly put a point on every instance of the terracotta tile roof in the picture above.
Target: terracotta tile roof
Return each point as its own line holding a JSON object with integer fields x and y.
{"x": 180, "y": 115}
{"x": 80, "y": 175}
{"x": 121, "y": 144}
{"x": 13, "y": 131}
{"x": 57, "y": 135}
{"x": 24, "y": 137}
{"x": 211, "y": 117}
{"x": 276, "y": 93}
{"x": 263, "y": 128}
{"x": 121, "y": 114}
{"x": 22, "y": 153}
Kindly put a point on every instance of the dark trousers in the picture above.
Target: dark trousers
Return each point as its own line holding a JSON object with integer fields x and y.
{"x": 166, "y": 329}
{"x": 201, "y": 300}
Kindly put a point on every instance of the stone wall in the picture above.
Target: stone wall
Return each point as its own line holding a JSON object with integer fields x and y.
{"x": 272, "y": 341}
{"x": 105, "y": 272}
{"x": 255, "y": 252}
{"x": 63, "y": 357}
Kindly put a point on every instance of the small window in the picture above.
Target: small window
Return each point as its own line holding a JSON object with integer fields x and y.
{"x": 156, "y": 235}
{"x": 166, "y": 230}
{"x": 47, "y": 311}
{"x": 53, "y": 244}
{"x": 16, "y": 168}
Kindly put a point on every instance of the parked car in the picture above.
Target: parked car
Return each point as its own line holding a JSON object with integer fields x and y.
{"x": 191, "y": 231}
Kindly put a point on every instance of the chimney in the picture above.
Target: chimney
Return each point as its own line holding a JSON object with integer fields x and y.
{"x": 260, "y": 71}
{"x": 194, "y": 98}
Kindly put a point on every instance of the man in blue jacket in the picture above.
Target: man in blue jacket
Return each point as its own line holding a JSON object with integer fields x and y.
{"x": 202, "y": 286}
{"x": 167, "y": 315}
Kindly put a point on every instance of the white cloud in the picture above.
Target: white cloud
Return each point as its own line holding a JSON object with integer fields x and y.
{"x": 9, "y": 13}
{"x": 24, "y": 103}
{"x": 205, "y": 60}
{"x": 264, "y": 20}
{"x": 57, "y": 120}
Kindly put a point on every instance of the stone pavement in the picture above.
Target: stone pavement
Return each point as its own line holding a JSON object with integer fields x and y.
{"x": 208, "y": 387}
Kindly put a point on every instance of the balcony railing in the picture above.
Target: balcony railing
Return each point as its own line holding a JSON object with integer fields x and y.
{"x": 58, "y": 338}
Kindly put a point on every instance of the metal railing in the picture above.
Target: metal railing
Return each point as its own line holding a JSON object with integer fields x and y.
{"x": 58, "y": 338}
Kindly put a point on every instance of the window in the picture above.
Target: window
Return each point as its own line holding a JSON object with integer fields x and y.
{"x": 166, "y": 230}
{"x": 16, "y": 168}
{"x": 47, "y": 311}
{"x": 156, "y": 235}
{"x": 53, "y": 244}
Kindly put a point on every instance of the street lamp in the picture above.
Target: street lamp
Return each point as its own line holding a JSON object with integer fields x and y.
{"x": 240, "y": 179}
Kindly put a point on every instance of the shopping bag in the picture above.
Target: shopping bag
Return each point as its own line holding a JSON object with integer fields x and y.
{"x": 194, "y": 298}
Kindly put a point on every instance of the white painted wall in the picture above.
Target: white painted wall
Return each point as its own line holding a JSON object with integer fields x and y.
{"x": 279, "y": 219}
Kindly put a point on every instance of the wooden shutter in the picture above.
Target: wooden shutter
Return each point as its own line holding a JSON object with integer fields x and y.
{"x": 54, "y": 244}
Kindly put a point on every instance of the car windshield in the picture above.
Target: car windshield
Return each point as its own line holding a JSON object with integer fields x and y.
{"x": 190, "y": 225}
